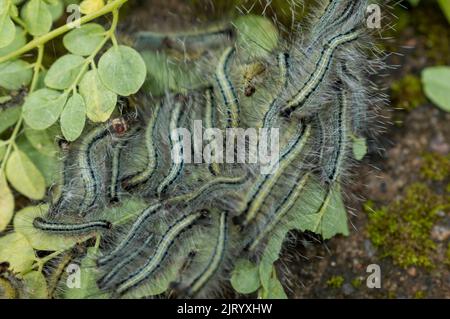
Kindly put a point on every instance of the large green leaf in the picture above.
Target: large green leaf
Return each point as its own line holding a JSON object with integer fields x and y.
{"x": 24, "y": 176}
{"x": 43, "y": 107}
{"x": 17, "y": 251}
{"x": 436, "y": 81}
{"x": 73, "y": 117}
{"x": 15, "y": 74}
{"x": 84, "y": 40}
{"x": 122, "y": 70}
{"x": 37, "y": 17}
{"x": 64, "y": 71}
{"x": 100, "y": 101}
{"x": 6, "y": 203}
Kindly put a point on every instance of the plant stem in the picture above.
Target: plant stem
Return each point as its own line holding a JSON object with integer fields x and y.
{"x": 110, "y": 7}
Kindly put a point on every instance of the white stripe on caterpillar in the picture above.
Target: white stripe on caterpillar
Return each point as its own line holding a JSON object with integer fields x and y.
{"x": 107, "y": 278}
{"x": 177, "y": 150}
{"x": 319, "y": 72}
{"x": 283, "y": 67}
{"x": 70, "y": 229}
{"x": 265, "y": 183}
{"x": 216, "y": 258}
{"x": 159, "y": 255}
{"x": 131, "y": 235}
{"x": 152, "y": 155}
{"x": 284, "y": 206}
{"x": 89, "y": 174}
{"x": 226, "y": 88}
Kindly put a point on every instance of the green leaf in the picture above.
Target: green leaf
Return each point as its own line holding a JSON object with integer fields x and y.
{"x": 445, "y": 6}
{"x": 100, "y": 102}
{"x": 56, "y": 9}
{"x": 9, "y": 117}
{"x": 7, "y": 28}
{"x": 49, "y": 166}
{"x": 73, "y": 117}
{"x": 43, "y": 140}
{"x": 275, "y": 290}
{"x": 15, "y": 74}
{"x": 37, "y": 17}
{"x": 43, "y": 107}
{"x": 64, "y": 71}
{"x": 23, "y": 224}
{"x": 168, "y": 74}
{"x": 359, "y": 148}
{"x": 415, "y": 3}
{"x": 257, "y": 35}
{"x": 84, "y": 40}
{"x": 17, "y": 251}
{"x": 436, "y": 81}
{"x": 122, "y": 70}
{"x": 18, "y": 42}
{"x": 245, "y": 277}
{"x": 330, "y": 218}
{"x": 35, "y": 285}
{"x": 6, "y": 203}
{"x": 24, "y": 176}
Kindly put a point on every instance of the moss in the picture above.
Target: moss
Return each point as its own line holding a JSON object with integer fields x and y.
{"x": 435, "y": 167}
{"x": 407, "y": 93}
{"x": 420, "y": 294}
{"x": 335, "y": 282}
{"x": 402, "y": 229}
{"x": 357, "y": 282}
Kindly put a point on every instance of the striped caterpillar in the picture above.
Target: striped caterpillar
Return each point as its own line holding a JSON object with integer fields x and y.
{"x": 305, "y": 89}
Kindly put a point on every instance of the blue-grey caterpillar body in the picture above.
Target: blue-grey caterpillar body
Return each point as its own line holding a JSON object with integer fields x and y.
{"x": 131, "y": 235}
{"x": 321, "y": 68}
{"x": 215, "y": 261}
{"x": 176, "y": 148}
{"x": 160, "y": 253}
{"x": 227, "y": 90}
{"x": 265, "y": 183}
{"x": 152, "y": 155}
{"x": 70, "y": 229}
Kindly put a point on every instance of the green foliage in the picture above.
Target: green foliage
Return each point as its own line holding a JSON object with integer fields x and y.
{"x": 335, "y": 282}
{"x": 406, "y": 93}
{"x": 402, "y": 229}
{"x": 62, "y": 95}
{"x": 435, "y": 167}
{"x": 359, "y": 148}
{"x": 436, "y": 81}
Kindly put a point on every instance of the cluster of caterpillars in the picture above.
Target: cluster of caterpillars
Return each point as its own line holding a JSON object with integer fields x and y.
{"x": 199, "y": 217}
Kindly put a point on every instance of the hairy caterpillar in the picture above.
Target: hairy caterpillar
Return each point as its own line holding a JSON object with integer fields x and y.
{"x": 70, "y": 229}
{"x": 283, "y": 66}
{"x": 161, "y": 252}
{"x": 177, "y": 149}
{"x": 90, "y": 175}
{"x": 264, "y": 185}
{"x": 215, "y": 261}
{"x": 157, "y": 246}
{"x": 321, "y": 68}
{"x": 226, "y": 88}
{"x": 152, "y": 156}
{"x": 103, "y": 282}
{"x": 132, "y": 233}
